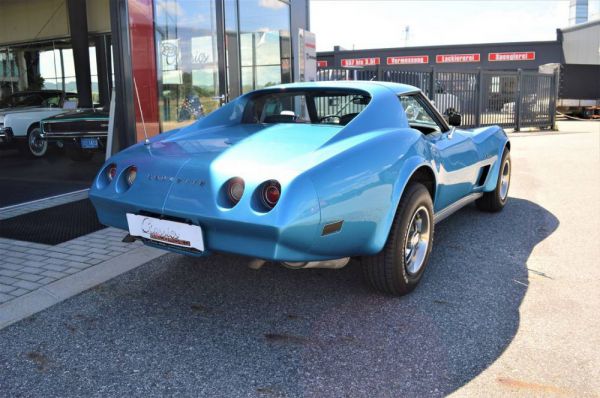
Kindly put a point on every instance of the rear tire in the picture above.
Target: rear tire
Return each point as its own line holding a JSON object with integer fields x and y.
{"x": 495, "y": 200}
{"x": 398, "y": 268}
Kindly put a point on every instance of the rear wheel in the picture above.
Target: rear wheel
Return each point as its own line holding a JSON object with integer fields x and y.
{"x": 495, "y": 200}
{"x": 398, "y": 268}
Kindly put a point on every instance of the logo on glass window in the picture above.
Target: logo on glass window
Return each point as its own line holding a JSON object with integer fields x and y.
{"x": 169, "y": 50}
{"x": 202, "y": 50}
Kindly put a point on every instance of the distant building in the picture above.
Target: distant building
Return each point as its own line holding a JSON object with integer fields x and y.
{"x": 575, "y": 51}
{"x": 578, "y": 12}
{"x": 581, "y": 11}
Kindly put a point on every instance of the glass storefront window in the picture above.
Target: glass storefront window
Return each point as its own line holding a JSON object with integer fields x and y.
{"x": 257, "y": 53}
{"x": 186, "y": 37}
{"x": 43, "y": 66}
{"x": 94, "y": 75}
{"x": 9, "y": 72}
{"x": 264, "y": 43}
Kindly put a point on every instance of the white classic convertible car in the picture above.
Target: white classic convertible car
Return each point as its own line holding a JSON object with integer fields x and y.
{"x": 20, "y": 116}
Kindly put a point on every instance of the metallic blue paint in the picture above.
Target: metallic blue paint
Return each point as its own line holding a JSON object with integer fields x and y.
{"x": 355, "y": 173}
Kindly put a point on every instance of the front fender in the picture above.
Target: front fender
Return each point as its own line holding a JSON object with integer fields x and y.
{"x": 490, "y": 143}
{"x": 21, "y": 121}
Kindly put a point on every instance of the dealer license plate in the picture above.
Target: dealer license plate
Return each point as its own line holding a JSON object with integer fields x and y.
{"x": 89, "y": 143}
{"x": 166, "y": 231}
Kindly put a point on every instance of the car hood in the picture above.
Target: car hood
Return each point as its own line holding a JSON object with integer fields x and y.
{"x": 79, "y": 114}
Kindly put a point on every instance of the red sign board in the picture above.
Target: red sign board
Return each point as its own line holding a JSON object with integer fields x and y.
{"x": 321, "y": 64}
{"x": 512, "y": 56}
{"x": 408, "y": 60}
{"x": 360, "y": 61}
{"x": 457, "y": 58}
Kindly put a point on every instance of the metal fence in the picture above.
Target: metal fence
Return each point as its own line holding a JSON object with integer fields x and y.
{"x": 514, "y": 99}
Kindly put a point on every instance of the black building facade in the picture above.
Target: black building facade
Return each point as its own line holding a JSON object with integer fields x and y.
{"x": 492, "y": 56}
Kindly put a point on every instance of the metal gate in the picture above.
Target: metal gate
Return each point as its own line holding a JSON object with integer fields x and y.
{"x": 510, "y": 99}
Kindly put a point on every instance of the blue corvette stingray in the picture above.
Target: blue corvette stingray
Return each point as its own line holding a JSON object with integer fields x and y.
{"x": 309, "y": 175}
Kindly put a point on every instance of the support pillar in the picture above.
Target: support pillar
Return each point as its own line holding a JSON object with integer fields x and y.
{"x": 79, "y": 40}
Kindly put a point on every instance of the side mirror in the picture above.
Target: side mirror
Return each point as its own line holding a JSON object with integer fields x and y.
{"x": 454, "y": 119}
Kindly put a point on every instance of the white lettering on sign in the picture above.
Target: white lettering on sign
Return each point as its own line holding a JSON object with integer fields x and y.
{"x": 408, "y": 60}
{"x": 360, "y": 61}
{"x": 512, "y": 56}
{"x": 457, "y": 58}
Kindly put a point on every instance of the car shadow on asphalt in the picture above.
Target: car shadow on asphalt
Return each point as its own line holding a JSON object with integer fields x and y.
{"x": 212, "y": 326}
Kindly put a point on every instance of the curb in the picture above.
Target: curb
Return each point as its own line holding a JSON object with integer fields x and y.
{"x": 69, "y": 286}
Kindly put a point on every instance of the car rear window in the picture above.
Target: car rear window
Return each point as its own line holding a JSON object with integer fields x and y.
{"x": 331, "y": 107}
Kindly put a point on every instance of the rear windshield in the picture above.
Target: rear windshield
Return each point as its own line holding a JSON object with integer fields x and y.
{"x": 331, "y": 107}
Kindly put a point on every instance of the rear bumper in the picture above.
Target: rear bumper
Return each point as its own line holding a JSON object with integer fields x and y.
{"x": 52, "y": 136}
{"x": 256, "y": 240}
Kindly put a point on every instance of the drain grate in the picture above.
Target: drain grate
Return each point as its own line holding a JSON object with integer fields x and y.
{"x": 53, "y": 225}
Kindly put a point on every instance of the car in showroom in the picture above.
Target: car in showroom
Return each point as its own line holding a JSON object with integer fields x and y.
{"x": 21, "y": 113}
{"x": 278, "y": 175}
{"x": 80, "y": 132}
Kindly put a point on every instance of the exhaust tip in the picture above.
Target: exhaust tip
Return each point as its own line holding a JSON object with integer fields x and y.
{"x": 256, "y": 264}
{"x": 331, "y": 264}
{"x": 294, "y": 265}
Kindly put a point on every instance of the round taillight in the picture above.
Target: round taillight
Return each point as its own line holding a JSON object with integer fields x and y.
{"x": 270, "y": 193}
{"x": 111, "y": 172}
{"x": 131, "y": 175}
{"x": 235, "y": 189}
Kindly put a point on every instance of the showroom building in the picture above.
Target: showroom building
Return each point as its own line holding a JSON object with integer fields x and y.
{"x": 165, "y": 62}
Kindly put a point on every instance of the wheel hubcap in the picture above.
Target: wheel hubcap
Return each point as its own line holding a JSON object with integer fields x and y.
{"x": 36, "y": 143}
{"x": 505, "y": 180}
{"x": 417, "y": 240}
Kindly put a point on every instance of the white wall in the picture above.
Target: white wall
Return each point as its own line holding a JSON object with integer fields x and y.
{"x": 581, "y": 44}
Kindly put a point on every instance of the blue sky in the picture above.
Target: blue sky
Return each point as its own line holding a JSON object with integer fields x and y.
{"x": 381, "y": 23}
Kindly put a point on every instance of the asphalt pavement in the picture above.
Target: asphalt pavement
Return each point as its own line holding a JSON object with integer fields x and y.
{"x": 509, "y": 305}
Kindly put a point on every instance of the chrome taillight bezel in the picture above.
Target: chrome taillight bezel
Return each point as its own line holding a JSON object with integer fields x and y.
{"x": 267, "y": 187}
{"x": 234, "y": 189}
{"x": 111, "y": 172}
{"x": 131, "y": 175}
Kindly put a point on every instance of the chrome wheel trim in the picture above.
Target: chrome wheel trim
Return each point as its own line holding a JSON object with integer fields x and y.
{"x": 37, "y": 145}
{"x": 416, "y": 241}
{"x": 505, "y": 179}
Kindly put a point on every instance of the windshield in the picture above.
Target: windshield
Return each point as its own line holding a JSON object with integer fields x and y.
{"x": 50, "y": 100}
{"x": 322, "y": 106}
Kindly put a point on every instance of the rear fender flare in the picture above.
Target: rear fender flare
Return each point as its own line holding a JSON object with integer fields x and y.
{"x": 411, "y": 165}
